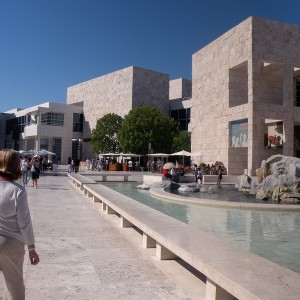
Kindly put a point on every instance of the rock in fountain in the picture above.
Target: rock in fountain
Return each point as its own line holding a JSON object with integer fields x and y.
{"x": 189, "y": 188}
{"x": 279, "y": 179}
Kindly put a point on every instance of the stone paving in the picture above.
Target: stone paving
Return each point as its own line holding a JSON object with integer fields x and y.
{"x": 85, "y": 255}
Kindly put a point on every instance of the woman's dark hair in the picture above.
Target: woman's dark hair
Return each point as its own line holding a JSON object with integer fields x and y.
{"x": 10, "y": 164}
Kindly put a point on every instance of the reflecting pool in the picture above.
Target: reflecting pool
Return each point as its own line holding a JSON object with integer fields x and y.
{"x": 270, "y": 234}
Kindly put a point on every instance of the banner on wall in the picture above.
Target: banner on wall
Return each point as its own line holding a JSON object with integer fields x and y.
{"x": 239, "y": 133}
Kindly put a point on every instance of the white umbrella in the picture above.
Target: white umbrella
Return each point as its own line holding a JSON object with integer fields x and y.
{"x": 28, "y": 152}
{"x": 45, "y": 152}
{"x": 109, "y": 154}
{"x": 130, "y": 155}
{"x": 182, "y": 153}
{"x": 158, "y": 155}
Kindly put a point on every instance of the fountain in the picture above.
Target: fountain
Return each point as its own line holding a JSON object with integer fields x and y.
{"x": 276, "y": 179}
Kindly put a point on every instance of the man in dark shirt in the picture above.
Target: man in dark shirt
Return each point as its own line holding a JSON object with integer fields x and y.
{"x": 76, "y": 164}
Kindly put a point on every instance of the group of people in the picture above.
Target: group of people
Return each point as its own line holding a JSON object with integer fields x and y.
{"x": 33, "y": 166}
{"x": 16, "y": 228}
{"x": 36, "y": 166}
{"x": 155, "y": 166}
{"x": 199, "y": 174}
{"x": 73, "y": 164}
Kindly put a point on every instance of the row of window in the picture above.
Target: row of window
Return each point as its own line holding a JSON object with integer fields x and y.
{"x": 16, "y": 126}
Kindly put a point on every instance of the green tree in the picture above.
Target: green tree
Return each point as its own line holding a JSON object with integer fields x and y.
{"x": 144, "y": 125}
{"x": 182, "y": 142}
{"x": 104, "y": 135}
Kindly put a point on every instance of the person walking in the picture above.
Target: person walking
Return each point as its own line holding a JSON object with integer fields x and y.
{"x": 16, "y": 228}
{"x": 219, "y": 176}
{"x": 196, "y": 171}
{"x": 24, "y": 170}
{"x": 159, "y": 166}
{"x": 88, "y": 164}
{"x": 54, "y": 165}
{"x": 35, "y": 171}
{"x": 76, "y": 164}
{"x": 69, "y": 165}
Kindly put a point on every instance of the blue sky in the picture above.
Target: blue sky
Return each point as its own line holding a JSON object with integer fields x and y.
{"x": 49, "y": 45}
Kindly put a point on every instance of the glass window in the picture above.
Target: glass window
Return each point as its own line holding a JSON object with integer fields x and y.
{"x": 297, "y": 100}
{"x": 182, "y": 117}
{"x": 174, "y": 114}
{"x": 53, "y": 119}
{"x": 182, "y": 114}
{"x": 77, "y": 122}
{"x": 56, "y": 147}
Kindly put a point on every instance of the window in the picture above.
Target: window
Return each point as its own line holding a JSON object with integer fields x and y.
{"x": 182, "y": 117}
{"x": 53, "y": 119}
{"x": 56, "y": 147}
{"x": 297, "y": 100}
{"x": 15, "y": 126}
{"x": 77, "y": 122}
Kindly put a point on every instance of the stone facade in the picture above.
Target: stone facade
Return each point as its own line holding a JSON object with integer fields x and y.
{"x": 247, "y": 74}
{"x": 180, "y": 88}
{"x": 118, "y": 93}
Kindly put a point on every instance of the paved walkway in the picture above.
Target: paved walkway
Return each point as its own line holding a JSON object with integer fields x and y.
{"x": 84, "y": 255}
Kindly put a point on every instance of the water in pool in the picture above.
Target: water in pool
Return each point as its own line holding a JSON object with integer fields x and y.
{"x": 273, "y": 235}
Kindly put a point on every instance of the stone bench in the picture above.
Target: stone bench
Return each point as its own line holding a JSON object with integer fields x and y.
{"x": 230, "y": 272}
{"x": 79, "y": 180}
{"x": 99, "y": 176}
{"x": 125, "y": 176}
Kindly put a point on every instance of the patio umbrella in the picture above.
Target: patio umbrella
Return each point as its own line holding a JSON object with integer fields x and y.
{"x": 28, "y": 152}
{"x": 168, "y": 165}
{"x": 158, "y": 155}
{"x": 45, "y": 152}
{"x": 109, "y": 154}
{"x": 182, "y": 153}
{"x": 130, "y": 155}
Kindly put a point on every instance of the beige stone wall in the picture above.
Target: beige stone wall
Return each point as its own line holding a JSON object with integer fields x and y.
{"x": 150, "y": 88}
{"x": 276, "y": 54}
{"x": 118, "y": 93}
{"x": 247, "y": 73}
{"x": 211, "y": 113}
{"x": 103, "y": 95}
{"x": 180, "y": 88}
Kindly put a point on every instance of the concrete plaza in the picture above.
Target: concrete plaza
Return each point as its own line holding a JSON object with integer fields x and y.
{"x": 85, "y": 255}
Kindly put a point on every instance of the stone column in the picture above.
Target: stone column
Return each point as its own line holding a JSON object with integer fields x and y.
{"x": 288, "y": 110}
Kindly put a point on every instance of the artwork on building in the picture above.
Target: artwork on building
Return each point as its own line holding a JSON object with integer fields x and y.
{"x": 274, "y": 135}
{"x": 239, "y": 133}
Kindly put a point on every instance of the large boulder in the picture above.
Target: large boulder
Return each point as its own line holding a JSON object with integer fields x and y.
{"x": 280, "y": 178}
{"x": 189, "y": 188}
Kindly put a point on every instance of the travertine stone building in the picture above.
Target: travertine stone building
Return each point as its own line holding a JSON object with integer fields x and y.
{"x": 180, "y": 88}
{"x": 246, "y": 95}
{"x": 118, "y": 93}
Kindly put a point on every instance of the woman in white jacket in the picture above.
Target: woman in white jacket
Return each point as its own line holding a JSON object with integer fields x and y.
{"x": 16, "y": 229}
